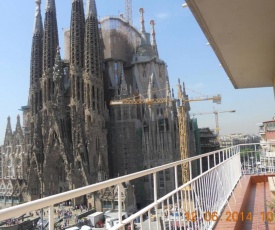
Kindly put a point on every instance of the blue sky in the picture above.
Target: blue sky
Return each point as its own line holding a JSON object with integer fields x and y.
{"x": 181, "y": 44}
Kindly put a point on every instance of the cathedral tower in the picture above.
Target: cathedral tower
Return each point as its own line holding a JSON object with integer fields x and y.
{"x": 50, "y": 43}
{"x": 94, "y": 92}
{"x": 34, "y": 145}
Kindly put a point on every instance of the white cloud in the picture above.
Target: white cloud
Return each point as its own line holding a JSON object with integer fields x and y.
{"x": 162, "y": 15}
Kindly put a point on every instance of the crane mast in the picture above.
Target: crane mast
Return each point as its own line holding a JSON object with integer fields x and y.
{"x": 216, "y": 112}
{"x": 183, "y": 139}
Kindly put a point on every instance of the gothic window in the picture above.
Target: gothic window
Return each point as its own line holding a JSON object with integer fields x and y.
{"x": 125, "y": 113}
{"x": 161, "y": 182}
{"x": 167, "y": 175}
{"x": 52, "y": 87}
{"x": 97, "y": 99}
{"x": 49, "y": 89}
{"x": 93, "y": 92}
{"x": 36, "y": 102}
{"x": 161, "y": 179}
{"x": 8, "y": 172}
{"x": 9, "y": 189}
{"x": 82, "y": 91}
{"x": 144, "y": 70}
{"x": 45, "y": 87}
{"x": 2, "y": 189}
{"x": 97, "y": 143}
{"x": 40, "y": 99}
{"x": 78, "y": 88}
{"x": 88, "y": 96}
{"x": 116, "y": 79}
{"x": 32, "y": 102}
{"x": 72, "y": 86}
{"x": 79, "y": 165}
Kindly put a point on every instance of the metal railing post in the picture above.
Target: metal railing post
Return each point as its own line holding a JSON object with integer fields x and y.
{"x": 51, "y": 217}
{"x": 156, "y": 197}
{"x": 119, "y": 191}
{"x": 176, "y": 176}
{"x": 207, "y": 192}
{"x": 190, "y": 170}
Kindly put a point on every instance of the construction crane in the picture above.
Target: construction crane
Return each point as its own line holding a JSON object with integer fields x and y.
{"x": 216, "y": 112}
{"x": 182, "y": 104}
{"x": 183, "y": 130}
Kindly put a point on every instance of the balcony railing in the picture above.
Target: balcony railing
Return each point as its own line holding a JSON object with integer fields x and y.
{"x": 196, "y": 204}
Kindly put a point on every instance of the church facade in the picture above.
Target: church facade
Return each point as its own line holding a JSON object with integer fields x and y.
{"x": 71, "y": 135}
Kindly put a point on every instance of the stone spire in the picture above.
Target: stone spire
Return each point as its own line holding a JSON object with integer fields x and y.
{"x": 94, "y": 87}
{"x": 91, "y": 9}
{"x": 77, "y": 33}
{"x": 93, "y": 58}
{"x": 50, "y": 42}
{"x": 8, "y": 128}
{"x": 141, "y": 11}
{"x": 18, "y": 124}
{"x": 153, "y": 43}
{"x": 123, "y": 85}
{"x": 38, "y": 25}
{"x": 58, "y": 74}
{"x": 36, "y": 61}
{"x": 145, "y": 37}
{"x": 100, "y": 165}
{"x": 50, "y": 36}
{"x": 93, "y": 55}
{"x": 50, "y": 5}
{"x": 8, "y": 136}
{"x": 57, "y": 69}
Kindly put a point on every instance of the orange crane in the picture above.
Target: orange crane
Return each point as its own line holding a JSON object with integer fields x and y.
{"x": 183, "y": 131}
{"x": 182, "y": 102}
{"x": 216, "y": 112}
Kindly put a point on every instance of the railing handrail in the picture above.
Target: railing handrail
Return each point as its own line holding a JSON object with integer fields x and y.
{"x": 51, "y": 200}
{"x": 55, "y": 199}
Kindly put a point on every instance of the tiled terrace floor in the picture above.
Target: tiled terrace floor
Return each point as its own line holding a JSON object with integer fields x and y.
{"x": 249, "y": 210}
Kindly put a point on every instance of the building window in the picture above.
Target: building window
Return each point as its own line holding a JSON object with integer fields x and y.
{"x": 107, "y": 204}
{"x": 116, "y": 205}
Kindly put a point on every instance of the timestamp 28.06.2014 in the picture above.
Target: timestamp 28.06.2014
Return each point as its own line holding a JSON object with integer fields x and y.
{"x": 230, "y": 216}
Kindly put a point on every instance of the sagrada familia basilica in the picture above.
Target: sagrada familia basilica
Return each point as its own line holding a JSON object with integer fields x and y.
{"x": 71, "y": 136}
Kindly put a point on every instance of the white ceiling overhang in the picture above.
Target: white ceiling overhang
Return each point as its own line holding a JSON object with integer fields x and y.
{"x": 242, "y": 34}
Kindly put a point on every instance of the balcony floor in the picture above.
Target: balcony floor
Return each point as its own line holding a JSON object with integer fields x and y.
{"x": 252, "y": 195}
